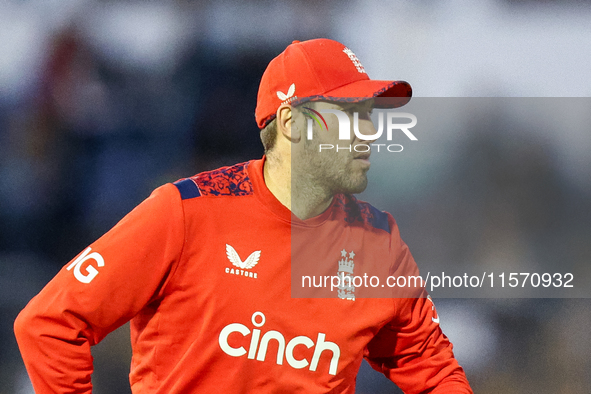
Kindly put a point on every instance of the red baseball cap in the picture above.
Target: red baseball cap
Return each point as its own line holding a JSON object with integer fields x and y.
{"x": 321, "y": 69}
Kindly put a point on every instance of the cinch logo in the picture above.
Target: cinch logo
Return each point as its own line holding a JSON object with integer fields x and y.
{"x": 258, "y": 346}
{"x": 91, "y": 271}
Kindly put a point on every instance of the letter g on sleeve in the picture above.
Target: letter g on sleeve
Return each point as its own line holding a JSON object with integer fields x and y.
{"x": 91, "y": 271}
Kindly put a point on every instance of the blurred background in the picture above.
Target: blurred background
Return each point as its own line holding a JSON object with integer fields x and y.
{"x": 102, "y": 101}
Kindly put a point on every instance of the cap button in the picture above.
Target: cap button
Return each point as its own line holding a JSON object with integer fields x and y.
{"x": 295, "y": 41}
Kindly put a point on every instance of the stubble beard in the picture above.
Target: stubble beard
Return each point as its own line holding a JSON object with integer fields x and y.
{"x": 350, "y": 180}
{"x": 331, "y": 172}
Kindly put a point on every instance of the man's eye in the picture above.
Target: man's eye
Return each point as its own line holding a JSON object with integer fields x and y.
{"x": 365, "y": 110}
{"x": 366, "y": 113}
{"x": 362, "y": 111}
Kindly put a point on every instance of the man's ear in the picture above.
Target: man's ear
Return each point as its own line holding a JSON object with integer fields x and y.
{"x": 285, "y": 126}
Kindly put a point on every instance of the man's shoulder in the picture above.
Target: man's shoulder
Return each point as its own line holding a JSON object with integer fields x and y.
{"x": 360, "y": 211}
{"x": 224, "y": 181}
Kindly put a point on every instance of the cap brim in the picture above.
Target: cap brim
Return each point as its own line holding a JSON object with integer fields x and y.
{"x": 391, "y": 94}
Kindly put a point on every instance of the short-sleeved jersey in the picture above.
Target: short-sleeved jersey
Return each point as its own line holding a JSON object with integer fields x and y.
{"x": 207, "y": 270}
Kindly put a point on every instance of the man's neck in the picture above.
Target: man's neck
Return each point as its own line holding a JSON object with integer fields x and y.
{"x": 304, "y": 199}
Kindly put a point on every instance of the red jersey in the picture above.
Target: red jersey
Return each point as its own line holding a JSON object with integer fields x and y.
{"x": 203, "y": 269}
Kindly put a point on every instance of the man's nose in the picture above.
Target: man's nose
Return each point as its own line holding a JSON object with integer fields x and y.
{"x": 368, "y": 130}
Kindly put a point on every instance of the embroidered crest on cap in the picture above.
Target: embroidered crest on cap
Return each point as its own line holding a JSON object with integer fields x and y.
{"x": 355, "y": 60}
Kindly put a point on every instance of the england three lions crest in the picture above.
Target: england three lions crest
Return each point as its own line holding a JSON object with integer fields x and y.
{"x": 346, "y": 290}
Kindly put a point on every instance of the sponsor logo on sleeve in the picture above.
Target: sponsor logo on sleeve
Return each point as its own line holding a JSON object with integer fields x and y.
{"x": 91, "y": 270}
{"x": 435, "y": 317}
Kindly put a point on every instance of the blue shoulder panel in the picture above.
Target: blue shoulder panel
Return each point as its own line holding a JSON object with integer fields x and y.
{"x": 188, "y": 189}
{"x": 379, "y": 219}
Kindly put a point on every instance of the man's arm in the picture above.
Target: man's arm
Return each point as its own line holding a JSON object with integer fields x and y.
{"x": 101, "y": 289}
{"x": 413, "y": 352}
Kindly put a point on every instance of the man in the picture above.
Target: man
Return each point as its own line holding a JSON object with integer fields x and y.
{"x": 203, "y": 267}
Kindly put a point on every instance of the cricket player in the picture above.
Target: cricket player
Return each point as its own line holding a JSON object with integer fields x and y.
{"x": 205, "y": 268}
